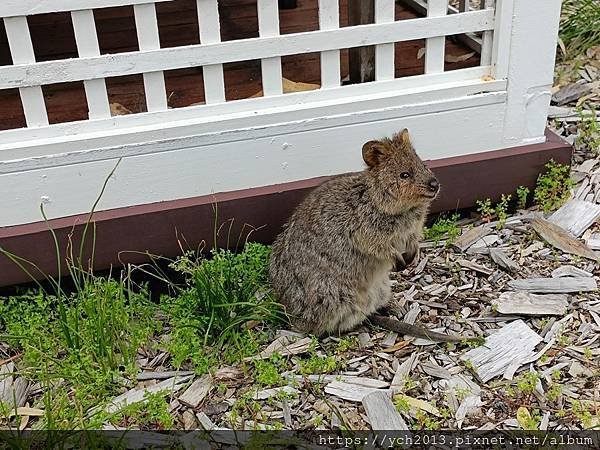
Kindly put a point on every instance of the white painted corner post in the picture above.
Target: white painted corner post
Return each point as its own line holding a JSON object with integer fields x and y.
{"x": 530, "y": 68}
{"x": 268, "y": 26}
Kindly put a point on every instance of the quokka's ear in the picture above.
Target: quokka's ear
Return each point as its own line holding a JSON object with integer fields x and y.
{"x": 374, "y": 152}
{"x": 403, "y": 139}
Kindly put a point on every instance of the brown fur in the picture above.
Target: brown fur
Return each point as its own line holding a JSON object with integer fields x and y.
{"x": 330, "y": 266}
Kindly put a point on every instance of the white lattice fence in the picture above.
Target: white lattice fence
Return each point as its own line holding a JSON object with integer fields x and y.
{"x": 211, "y": 54}
{"x": 222, "y": 146}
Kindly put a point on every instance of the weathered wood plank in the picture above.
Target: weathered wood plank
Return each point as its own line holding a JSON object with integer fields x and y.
{"x": 465, "y": 240}
{"x": 382, "y": 413}
{"x": 529, "y": 304}
{"x": 503, "y": 351}
{"x": 284, "y": 345}
{"x": 471, "y": 265}
{"x": 149, "y": 375}
{"x": 559, "y": 238}
{"x": 6, "y": 383}
{"x": 173, "y": 385}
{"x": 576, "y": 216}
{"x": 503, "y": 260}
{"x": 349, "y": 391}
{"x": 359, "y": 381}
{"x": 197, "y": 392}
{"x": 555, "y": 285}
{"x": 268, "y": 393}
{"x": 569, "y": 271}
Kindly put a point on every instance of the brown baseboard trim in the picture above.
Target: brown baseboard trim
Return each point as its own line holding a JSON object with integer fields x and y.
{"x": 123, "y": 235}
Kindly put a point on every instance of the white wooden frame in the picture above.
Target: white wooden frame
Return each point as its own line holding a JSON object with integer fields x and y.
{"x": 504, "y": 101}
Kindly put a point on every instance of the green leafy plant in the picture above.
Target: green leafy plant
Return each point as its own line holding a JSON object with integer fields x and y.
{"x": 553, "y": 186}
{"x": 223, "y": 296}
{"x": 152, "y": 413}
{"x": 268, "y": 371}
{"x": 485, "y": 209}
{"x": 501, "y": 210}
{"x": 443, "y": 228}
{"x": 522, "y": 195}
{"x": 589, "y": 131}
{"x": 527, "y": 382}
{"x": 580, "y": 25}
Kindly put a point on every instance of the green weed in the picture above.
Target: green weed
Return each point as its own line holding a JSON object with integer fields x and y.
{"x": 527, "y": 382}
{"x": 268, "y": 371}
{"x": 553, "y": 186}
{"x": 522, "y": 195}
{"x": 501, "y": 210}
{"x": 153, "y": 414}
{"x": 580, "y": 25}
{"x": 589, "y": 131}
{"x": 222, "y": 296}
{"x": 485, "y": 209}
{"x": 443, "y": 228}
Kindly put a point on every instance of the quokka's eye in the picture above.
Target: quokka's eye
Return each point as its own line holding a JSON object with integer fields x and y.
{"x": 405, "y": 175}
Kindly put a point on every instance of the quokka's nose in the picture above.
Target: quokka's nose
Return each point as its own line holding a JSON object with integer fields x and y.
{"x": 434, "y": 185}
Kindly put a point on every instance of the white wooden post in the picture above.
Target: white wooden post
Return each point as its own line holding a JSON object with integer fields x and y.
{"x": 530, "y": 69}
{"x": 148, "y": 39}
{"x": 435, "y": 47}
{"x": 384, "y": 53}
{"x": 21, "y": 50}
{"x": 268, "y": 26}
{"x": 487, "y": 37}
{"x": 86, "y": 38}
{"x": 329, "y": 19}
{"x": 210, "y": 32}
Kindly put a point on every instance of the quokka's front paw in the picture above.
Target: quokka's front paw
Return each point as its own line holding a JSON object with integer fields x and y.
{"x": 405, "y": 259}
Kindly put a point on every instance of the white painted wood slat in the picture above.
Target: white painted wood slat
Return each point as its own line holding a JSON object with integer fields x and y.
{"x": 487, "y": 38}
{"x": 384, "y": 53}
{"x": 86, "y": 38}
{"x": 167, "y": 130}
{"x": 501, "y": 45}
{"x": 21, "y": 50}
{"x": 435, "y": 47}
{"x": 329, "y": 19}
{"x": 268, "y": 26}
{"x": 464, "y": 82}
{"x": 14, "y": 8}
{"x": 122, "y": 64}
{"x": 147, "y": 30}
{"x": 210, "y": 33}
